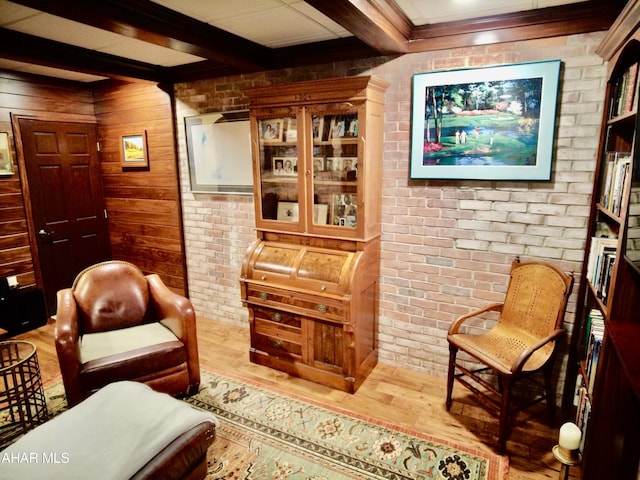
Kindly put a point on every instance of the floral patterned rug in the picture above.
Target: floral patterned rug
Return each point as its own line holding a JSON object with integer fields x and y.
{"x": 271, "y": 435}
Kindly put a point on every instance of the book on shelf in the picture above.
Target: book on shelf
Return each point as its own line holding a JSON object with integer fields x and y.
{"x": 616, "y": 167}
{"x": 606, "y": 272}
{"x": 595, "y": 316}
{"x": 593, "y": 335}
{"x": 602, "y": 256}
{"x": 624, "y": 93}
{"x": 583, "y": 411}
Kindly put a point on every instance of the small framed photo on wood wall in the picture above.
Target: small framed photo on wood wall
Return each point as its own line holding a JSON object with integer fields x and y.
{"x": 133, "y": 150}
{"x": 6, "y": 163}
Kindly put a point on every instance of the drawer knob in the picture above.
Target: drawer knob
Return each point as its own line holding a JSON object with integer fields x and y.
{"x": 276, "y": 344}
{"x": 263, "y": 277}
{"x": 276, "y": 317}
{"x": 263, "y": 295}
{"x": 322, "y": 308}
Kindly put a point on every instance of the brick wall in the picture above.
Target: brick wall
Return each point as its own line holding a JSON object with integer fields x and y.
{"x": 446, "y": 246}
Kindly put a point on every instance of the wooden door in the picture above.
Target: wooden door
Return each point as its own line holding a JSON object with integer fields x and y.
{"x": 67, "y": 205}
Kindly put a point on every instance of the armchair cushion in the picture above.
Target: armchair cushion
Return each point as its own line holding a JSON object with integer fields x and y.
{"x": 104, "y": 344}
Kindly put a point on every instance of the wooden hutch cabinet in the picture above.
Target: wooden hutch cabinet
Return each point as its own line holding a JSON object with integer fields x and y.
{"x": 310, "y": 280}
{"x": 606, "y": 337}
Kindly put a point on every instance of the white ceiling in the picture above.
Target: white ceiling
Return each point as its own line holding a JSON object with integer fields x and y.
{"x": 272, "y": 23}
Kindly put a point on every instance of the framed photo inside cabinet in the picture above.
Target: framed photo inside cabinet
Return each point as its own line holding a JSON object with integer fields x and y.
{"x": 133, "y": 150}
{"x": 344, "y": 210}
{"x": 318, "y": 127}
{"x": 219, "y": 151}
{"x": 271, "y": 130}
{"x": 285, "y": 166}
{"x": 344, "y": 126}
{"x": 288, "y": 211}
{"x": 318, "y": 164}
{"x": 320, "y": 214}
{"x": 291, "y": 134}
{"x": 343, "y": 168}
{"x": 493, "y": 123}
{"x": 6, "y": 162}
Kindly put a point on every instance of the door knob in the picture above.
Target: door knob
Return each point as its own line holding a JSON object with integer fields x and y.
{"x": 44, "y": 233}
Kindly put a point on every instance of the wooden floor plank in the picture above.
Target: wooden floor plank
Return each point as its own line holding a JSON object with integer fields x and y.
{"x": 403, "y": 397}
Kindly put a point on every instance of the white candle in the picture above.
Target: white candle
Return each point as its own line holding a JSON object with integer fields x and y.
{"x": 570, "y": 436}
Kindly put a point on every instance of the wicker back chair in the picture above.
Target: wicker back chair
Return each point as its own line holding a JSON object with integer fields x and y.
{"x": 521, "y": 343}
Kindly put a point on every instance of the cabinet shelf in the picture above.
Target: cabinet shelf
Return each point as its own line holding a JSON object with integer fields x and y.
{"x": 342, "y": 141}
{"x": 335, "y": 183}
{"x": 280, "y": 144}
{"x": 608, "y": 213}
{"x": 277, "y": 179}
{"x": 628, "y": 118}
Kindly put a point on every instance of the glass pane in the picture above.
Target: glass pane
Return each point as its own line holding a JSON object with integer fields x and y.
{"x": 335, "y": 169}
{"x": 279, "y": 168}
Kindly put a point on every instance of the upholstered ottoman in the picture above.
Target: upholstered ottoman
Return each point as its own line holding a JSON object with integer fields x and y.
{"x": 125, "y": 430}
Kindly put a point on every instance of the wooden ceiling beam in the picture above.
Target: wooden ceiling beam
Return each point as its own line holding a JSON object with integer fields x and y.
{"x": 31, "y": 49}
{"x": 317, "y": 53}
{"x": 378, "y": 23}
{"x": 153, "y": 23}
{"x": 591, "y": 16}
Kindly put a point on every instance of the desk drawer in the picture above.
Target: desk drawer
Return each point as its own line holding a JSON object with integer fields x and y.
{"x": 276, "y": 318}
{"x": 277, "y": 333}
{"x": 317, "y": 306}
{"x": 278, "y": 347}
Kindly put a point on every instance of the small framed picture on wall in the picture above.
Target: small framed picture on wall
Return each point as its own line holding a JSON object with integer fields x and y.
{"x": 6, "y": 162}
{"x": 133, "y": 150}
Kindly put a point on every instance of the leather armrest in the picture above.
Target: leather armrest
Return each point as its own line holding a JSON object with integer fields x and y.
{"x": 67, "y": 338}
{"x": 177, "y": 314}
{"x": 175, "y": 311}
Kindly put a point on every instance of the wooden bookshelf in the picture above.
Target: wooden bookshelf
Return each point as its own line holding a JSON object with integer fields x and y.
{"x": 605, "y": 343}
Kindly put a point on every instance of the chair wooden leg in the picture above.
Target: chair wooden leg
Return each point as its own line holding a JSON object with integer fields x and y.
{"x": 505, "y": 385}
{"x": 550, "y": 393}
{"x": 453, "y": 351}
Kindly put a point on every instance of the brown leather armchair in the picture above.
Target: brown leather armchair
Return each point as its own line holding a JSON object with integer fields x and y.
{"x": 115, "y": 323}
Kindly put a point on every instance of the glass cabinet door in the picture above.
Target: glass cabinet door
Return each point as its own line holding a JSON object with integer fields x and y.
{"x": 279, "y": 167}
{"x": 335, "y": 170}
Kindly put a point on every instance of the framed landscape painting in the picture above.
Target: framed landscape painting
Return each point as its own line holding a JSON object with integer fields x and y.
{"x": 133, "y": 150}
{"x": 493, "y": 123}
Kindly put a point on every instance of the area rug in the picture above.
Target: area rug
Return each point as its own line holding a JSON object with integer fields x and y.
{"x": 272, "y": 435}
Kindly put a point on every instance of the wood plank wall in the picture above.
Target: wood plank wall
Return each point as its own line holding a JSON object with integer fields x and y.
{"x": 143, "y": 205}
{"x": 27, "y": 95}
{"x": 145, "y": 218}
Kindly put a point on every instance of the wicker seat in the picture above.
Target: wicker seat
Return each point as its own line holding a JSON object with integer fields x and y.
{"x": 521, "y": 343}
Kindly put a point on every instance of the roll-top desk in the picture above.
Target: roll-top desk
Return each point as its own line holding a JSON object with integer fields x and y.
{"x": 310, "y": 280}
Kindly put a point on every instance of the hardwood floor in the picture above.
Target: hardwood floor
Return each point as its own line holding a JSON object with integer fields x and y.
{"x": 399, "y": 396}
